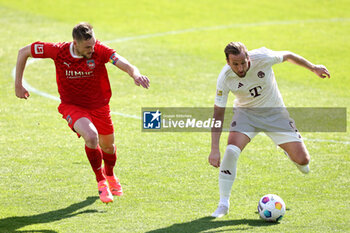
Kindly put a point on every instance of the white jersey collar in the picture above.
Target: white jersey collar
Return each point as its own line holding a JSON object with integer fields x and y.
{"x": 72, "y": 53}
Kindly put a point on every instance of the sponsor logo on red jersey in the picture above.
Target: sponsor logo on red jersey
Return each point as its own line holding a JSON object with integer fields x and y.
{"x": 78, "y": 74}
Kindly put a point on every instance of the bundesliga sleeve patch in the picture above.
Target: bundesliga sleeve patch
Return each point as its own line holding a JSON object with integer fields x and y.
{"x": 38, "y": 48}
{"x": 113, "y": 59}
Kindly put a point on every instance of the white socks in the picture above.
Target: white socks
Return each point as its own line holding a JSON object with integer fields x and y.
{"x": 228, "y": 170}
{"x": 227, "y": 174}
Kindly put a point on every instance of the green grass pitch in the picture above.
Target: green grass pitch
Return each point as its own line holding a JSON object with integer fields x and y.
{"x": 46, "y": 183}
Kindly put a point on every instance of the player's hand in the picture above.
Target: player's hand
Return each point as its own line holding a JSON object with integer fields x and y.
{"x": 214, "y": 158}
{"x": 21, "y": 92}
{"x": 141, "y": 80}
{"x": 321, "y": 71}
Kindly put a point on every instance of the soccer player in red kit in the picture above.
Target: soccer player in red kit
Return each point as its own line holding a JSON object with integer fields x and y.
{"x": 85, "y": 92}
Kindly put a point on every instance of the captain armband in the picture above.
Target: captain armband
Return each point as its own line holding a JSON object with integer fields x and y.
{"x": 113, "y": 59}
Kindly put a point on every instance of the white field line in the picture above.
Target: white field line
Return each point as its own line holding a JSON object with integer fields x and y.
{"x": 190, "y": 30}
{"x": 126, "y": 115}
{"x": 220, "y": 27}
{"x": 29, "y": 87}
{"x": 326, "y": 140}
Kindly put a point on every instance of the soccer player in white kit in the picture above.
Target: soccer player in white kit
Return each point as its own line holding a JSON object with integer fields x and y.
{"x": 258, "y": 106}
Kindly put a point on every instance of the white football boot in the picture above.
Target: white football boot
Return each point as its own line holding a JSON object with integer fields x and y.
{"x": 221, "y": 211}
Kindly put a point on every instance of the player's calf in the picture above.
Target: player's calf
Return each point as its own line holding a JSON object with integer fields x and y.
{"x": 297, "y": 152}
{"x": 302, "y": 163}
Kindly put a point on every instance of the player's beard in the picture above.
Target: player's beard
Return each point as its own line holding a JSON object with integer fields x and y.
{"x": 87, "y": 56}
{"x": 244, "y": 72}
{"x": 241, "y": 75}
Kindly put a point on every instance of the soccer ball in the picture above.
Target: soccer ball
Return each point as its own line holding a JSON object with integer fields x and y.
{"x": 271, "y": 208}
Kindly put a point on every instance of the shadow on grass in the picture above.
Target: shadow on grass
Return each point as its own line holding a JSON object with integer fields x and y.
{"x": 11, "y": 224}
{"x": 207, "y": 223}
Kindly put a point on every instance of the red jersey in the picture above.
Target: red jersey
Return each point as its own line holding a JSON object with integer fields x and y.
{"x": 81, "y": 81}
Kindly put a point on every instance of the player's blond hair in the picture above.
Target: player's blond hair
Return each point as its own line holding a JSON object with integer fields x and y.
{"x": 235, "y": 48}
{"x": 83, "y": 31}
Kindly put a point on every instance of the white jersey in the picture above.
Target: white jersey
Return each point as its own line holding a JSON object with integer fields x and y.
{"x": 258, "y": 88}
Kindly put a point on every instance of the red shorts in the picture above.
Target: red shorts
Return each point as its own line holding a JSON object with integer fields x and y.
{"x": 100, "y": 117}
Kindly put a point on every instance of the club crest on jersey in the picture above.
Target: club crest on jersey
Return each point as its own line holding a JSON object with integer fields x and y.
{"x": 261, "y": 74}
{"x": 91, "y": 64}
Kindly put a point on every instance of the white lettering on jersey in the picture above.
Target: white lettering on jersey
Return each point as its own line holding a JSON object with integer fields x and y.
{"x": 39, "y": 49}
{"x": 72, "y": 74}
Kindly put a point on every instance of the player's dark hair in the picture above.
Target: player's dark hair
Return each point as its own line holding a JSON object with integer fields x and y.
{"x": 82, "y": 31}
{"x": 235, "y": 48}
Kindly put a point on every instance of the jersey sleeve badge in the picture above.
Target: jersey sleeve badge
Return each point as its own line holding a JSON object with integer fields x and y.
{"x": 39, "y": 49}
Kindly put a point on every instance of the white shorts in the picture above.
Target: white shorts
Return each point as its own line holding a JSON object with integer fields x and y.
{"x": 275, "y": 123}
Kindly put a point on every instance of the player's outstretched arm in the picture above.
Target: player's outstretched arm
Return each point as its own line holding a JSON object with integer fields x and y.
{"x": 320, "y": 70}
{"x": 22, "y": 57}
{"x": 214, "y": 156}
{"x": 132, "y": 70}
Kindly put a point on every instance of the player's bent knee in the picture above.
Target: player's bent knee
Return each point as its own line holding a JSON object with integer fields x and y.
{"x": 91, "y": 139}
{"x": 109, "y": 149}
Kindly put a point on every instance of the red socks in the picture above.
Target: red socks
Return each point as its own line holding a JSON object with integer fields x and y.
{"x": 110, "y": 160}
{"x": 95, "y": 158}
